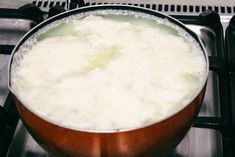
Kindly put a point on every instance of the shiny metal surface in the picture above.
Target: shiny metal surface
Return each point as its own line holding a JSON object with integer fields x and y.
{"x": 11, "y": 30}
{"x": 3, "y": 78}
{"x": 13, "y": 3}
{"x": 23, "y": 144}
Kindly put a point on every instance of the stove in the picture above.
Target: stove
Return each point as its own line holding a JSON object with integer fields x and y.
{"x": 212, "y": 133}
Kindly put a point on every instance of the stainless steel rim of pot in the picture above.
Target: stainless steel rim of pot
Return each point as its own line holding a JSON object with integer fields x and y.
{"x": 92, "y": 9}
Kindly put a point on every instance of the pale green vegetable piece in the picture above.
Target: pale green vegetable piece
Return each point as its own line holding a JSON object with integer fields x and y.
{"x": 103, "y": 59}
{"x": 63, "y": 29}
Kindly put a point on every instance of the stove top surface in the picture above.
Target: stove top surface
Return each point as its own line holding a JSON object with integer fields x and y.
{"x": 23, "y": 144}
{"x": 210, "y": 134}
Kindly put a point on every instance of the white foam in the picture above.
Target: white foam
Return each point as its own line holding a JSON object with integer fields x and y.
{"x": 108, "y": 74}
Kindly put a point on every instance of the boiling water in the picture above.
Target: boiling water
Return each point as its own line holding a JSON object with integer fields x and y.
{"x": 107, "y": 72}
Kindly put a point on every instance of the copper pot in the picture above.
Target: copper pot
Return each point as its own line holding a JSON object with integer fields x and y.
{"x": 157, "y": 138}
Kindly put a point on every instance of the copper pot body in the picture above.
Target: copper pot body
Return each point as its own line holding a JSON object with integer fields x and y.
{"x": 157, "y": 138}
{"x": 152, "y": 140}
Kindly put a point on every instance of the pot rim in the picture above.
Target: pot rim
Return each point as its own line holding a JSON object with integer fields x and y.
{"x": 108, "y": 7}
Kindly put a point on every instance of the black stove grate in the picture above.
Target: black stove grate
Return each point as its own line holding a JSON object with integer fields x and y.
{"x": 223, "y": 64}
{"x": 8, "y": 122}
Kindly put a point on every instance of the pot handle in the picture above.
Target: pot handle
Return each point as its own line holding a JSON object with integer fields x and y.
{"x": 219, "y": 66}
